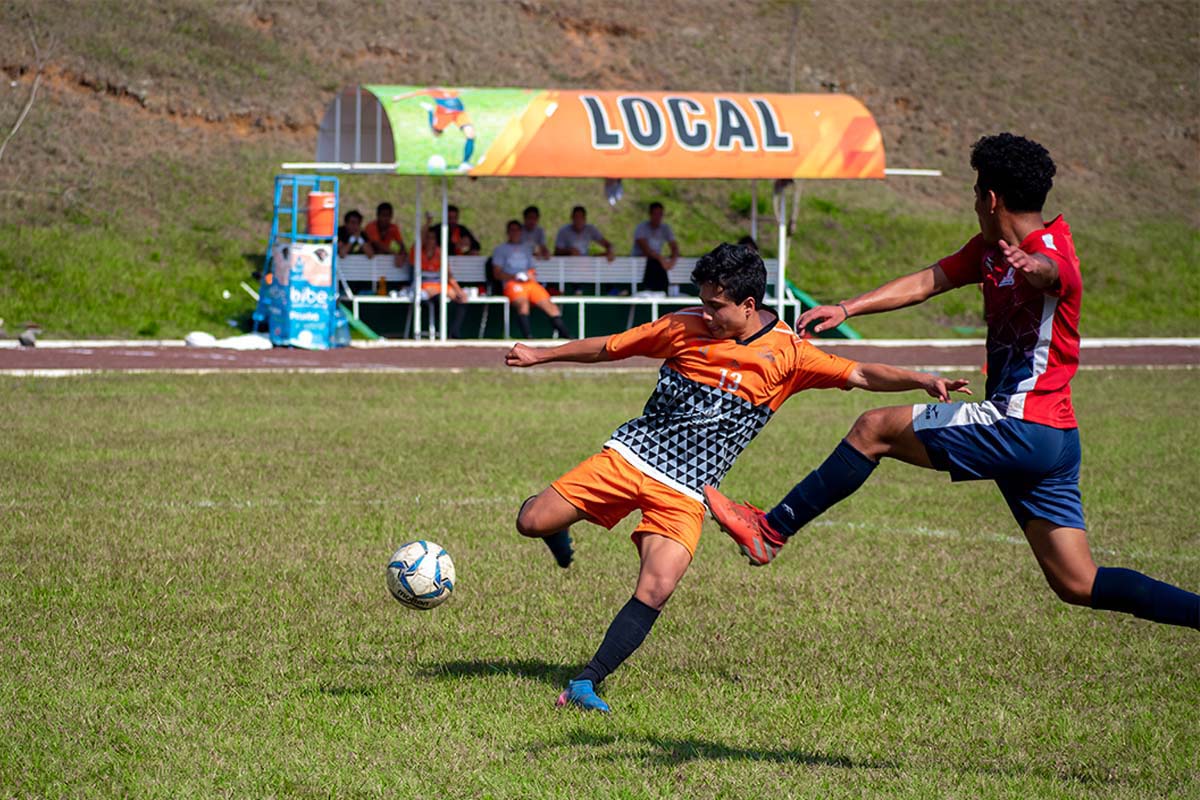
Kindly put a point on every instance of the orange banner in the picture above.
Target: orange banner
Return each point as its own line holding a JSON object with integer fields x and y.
{"x": 563, "y": 133}
{"x": 687, "y": 135}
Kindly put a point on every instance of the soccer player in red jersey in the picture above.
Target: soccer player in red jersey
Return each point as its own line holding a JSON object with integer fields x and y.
{"x": 1023, "y": 435}
{"x": 728, "y": 365}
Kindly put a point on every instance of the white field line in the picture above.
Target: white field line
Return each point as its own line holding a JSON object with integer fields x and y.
{"x": 924, "y": 531}
{"x": 1087, "y": 343}
{"x": 513, "y": 502}
{"x": 550, "y": 371}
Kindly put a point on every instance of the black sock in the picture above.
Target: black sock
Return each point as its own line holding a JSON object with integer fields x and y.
{"x": 843, "y": 472}
{"x": 523, "y": 325}
{"x": 458, "y": 312}
{"x": 560, "y": 547}
{"x": 626, "y": 634}
{"x": 1125, "y": 590}
{"x": 561, "y": 327}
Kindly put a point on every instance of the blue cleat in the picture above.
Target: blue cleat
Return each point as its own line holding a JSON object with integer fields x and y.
{"x": 560, "y": 547}
{"x": 583, "y": 695}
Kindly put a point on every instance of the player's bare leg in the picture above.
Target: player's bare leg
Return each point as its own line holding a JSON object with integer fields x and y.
{"x": 664, "y": 561}
{"x": 888, "y": 433}
{"x": 1066, "y": 560}
{"x": 548, "y": 516}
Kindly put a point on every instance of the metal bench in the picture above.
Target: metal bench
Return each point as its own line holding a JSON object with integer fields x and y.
{"x": 565, "y": 273}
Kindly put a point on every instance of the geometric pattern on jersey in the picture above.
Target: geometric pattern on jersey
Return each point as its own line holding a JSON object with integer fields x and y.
{"x": 689, "y": 434}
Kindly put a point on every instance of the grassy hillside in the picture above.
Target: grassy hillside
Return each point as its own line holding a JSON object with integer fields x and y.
{"x": 141, "y": 176}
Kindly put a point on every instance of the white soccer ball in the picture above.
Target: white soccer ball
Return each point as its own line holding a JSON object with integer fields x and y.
{"x": 421, "y": 575}
{"x": 436, "y": 163}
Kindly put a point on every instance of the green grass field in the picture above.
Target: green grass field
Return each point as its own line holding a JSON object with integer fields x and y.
{"x": 193, "y": 604}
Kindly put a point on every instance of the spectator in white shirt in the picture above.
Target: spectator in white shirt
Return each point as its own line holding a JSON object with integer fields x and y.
{"x": 532, "y": 233}
{"x": 649, "y": 239}
{"x": 574, "y": 238}
{"x": 512, "y": 263}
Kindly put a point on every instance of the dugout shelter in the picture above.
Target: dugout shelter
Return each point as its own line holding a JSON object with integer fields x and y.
{"x": 440, "y": 132}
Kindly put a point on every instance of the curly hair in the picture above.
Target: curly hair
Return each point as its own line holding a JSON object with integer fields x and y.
{"x": 737, "y": 269}
{"x": 1019, "y": 170}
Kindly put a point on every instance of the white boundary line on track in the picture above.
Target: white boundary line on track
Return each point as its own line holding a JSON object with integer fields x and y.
{"x": 1089, "y": 343}
{"x": 598, "y": 370}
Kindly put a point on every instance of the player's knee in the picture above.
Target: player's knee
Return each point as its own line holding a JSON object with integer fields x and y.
{"x": 527, "y": 518}
{"x": 655, "y": 591}
{"x": 1073, "y": 589}
{"x": 869, "y": 430}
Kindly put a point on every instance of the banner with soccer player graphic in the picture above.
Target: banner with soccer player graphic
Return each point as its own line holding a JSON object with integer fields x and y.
{"x": 573, "y": 133}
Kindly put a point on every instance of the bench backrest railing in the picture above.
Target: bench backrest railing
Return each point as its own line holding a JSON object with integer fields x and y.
{"x": 559, "y": 271}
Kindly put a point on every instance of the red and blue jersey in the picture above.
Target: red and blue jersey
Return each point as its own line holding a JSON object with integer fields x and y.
{"x": 1033, "y": 334}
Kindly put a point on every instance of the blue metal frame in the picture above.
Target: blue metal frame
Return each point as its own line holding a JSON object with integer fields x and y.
{"x": 288, "y": 187}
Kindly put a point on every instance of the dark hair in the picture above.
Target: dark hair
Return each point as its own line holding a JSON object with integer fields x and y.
{"x": 580, "y": 209}
{"x": 737, "y": 269}
{"x": 531, "y": 210}
{"x": 382, "y": 207}
{"x": 1018, "y": 170}
{"x": 452, "y": 207}
{"x": 512, "y": 222}
{"x": 352, "y": 214}
{"x": 655, "y": 205}
{"x": 748, "y": 241}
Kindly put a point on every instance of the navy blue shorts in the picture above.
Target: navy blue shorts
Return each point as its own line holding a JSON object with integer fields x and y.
{"x": 1035, "y": 466}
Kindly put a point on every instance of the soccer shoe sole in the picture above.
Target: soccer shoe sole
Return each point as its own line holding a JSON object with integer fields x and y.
{"x": 757, "y": 552}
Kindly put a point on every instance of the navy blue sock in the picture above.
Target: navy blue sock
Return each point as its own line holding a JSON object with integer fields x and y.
{"x": 1125, "y": 590}
{"x": 560, "y": 546}
{"x": 843, "y": 472}
{"x": 468, "y": 149}
{"x": 626, "y": 634}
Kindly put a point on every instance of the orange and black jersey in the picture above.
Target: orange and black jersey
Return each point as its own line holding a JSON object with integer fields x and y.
{"x": 713, "y": 395}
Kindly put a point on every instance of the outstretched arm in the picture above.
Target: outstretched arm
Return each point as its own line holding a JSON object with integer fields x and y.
{"x": 884, "y": 378}
{"x": 899, "y": 293}
{"x": 580, "y": 351}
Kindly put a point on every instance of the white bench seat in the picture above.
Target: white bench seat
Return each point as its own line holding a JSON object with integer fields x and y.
{"x": 572, "y": 274}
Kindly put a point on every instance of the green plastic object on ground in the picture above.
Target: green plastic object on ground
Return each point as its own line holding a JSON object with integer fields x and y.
{"x": 807, "y": 301}
{"x": 358, "y": 325}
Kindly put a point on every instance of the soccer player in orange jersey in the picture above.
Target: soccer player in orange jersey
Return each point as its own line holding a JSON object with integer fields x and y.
{"x": 728, "y": 365}
{"x": 447, "y": 109}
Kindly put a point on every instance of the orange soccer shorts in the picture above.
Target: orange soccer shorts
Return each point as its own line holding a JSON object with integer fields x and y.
{"x": 530, "y": 289}
{"x": 444, "y": 118}
{"x": 607, "y": 488}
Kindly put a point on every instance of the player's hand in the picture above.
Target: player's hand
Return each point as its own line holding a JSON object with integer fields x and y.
{"x": 521, "y": 355}
{"x": 819, "y": 319}
{"x": 940, "y": 388}
{"x": 610, "y": 255}
{"x": 1018, "y": 259}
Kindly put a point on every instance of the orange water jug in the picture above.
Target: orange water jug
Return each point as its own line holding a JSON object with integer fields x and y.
{"x": 321, "y": 220}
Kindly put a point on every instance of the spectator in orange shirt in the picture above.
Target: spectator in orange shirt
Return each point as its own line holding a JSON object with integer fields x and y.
{"x": 383, "y": 236}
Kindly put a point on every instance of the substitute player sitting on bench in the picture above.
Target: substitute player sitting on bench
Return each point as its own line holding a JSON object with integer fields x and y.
{"x": 512, "y": 263}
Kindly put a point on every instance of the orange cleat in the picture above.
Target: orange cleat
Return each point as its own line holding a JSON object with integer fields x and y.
{"x": 747, "y": 526}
